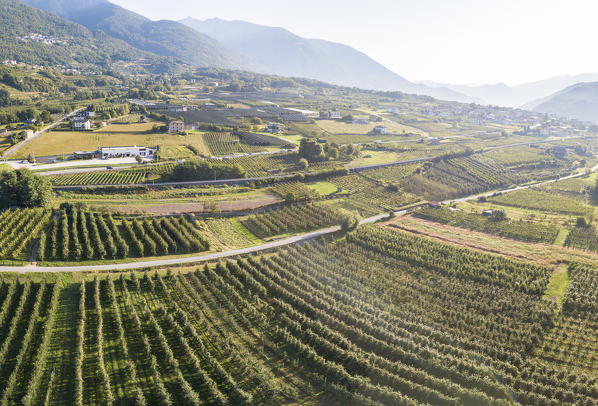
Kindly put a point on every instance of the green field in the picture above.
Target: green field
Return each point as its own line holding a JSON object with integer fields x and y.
{"x": 323, "y": 188}
{"x": 340, "y": 127}
{"x": 377, "y": 157}
{"x": 557, "y": 287}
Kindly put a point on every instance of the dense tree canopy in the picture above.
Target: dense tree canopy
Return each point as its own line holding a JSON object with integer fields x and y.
{"x": 4, "y": 98}
{"x": 23, "y": 188}
{"x": 311, "y": 150}
{"x": 202, "y": 170}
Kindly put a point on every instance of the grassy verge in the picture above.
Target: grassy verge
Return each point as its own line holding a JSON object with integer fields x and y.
{"x": 246, "y": 233}
{"x": 561, "y": 237}
{"x": 323, "y": 188}
{"x": 557, "y": 286}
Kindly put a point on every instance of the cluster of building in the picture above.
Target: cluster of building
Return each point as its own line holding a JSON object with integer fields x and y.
{"x": 480, "y": 114}
{"x": 84, "y": 122}
{"x": 274, "y": 128}
{"x": 43, "y": 39}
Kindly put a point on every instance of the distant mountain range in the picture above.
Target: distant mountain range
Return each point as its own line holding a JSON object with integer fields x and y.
{"x": 520, "y": 95}
{"x": 100, "y": 33}
{"x": 278, "y": 51}
{"x": 237, "y": 45}
{"x": 578, "y": 101}
{"x": 164, "y": 37}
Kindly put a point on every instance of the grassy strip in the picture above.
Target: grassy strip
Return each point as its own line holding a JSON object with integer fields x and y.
{"x": 246, "y": 233}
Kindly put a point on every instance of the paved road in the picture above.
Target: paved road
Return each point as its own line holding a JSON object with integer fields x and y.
{"x": 513, "y": 189}
{"x": 235, "y": 181}
{"x": 172, "y": 261}
{"x": 248, "y": 250}
{"x": 37, "y": 134}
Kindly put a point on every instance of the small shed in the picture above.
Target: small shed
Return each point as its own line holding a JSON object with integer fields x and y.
{"x": 434, "y": 205}
{"x": 488, "y": 213}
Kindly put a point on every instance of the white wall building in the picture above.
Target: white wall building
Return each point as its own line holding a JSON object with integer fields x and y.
{"x": 305, "y": 113}
{"x": 380, "y": 130}
{"x": 120, "y": 152}
{"x": 335, "y": 115}
{"x": 82, "y": 123}
{"x": 27, "y": 134}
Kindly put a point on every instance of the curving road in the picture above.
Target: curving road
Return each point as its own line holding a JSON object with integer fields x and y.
{"x": 249, "y": 250}
{"x": 191, "y": 259}
{"x": 172, "y": 261}
{"x": 513, "y": 189}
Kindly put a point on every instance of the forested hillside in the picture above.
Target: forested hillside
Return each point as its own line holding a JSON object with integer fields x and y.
{"x": 164, "y": 37}
{"x": 34, "y": 36}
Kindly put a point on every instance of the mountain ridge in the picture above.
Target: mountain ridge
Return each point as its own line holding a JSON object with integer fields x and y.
{"x": 164, "y": 37}
{"x": 34, "y": 36}
{"x": 521, "y": 95}
{"x": 288, "y": 54}
{"x": 579, "y": 101}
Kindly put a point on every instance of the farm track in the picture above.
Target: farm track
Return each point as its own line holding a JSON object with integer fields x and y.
{"x": 249, "y": 250}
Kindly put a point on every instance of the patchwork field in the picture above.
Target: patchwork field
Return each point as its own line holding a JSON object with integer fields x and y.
{"x": 309, "y": 281}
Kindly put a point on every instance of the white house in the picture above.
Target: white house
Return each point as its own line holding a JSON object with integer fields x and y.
{"x": 27, "y": 134}
{"x": 119, "y": 152}
{"x": 335, "y": 115}
{"x": 176, "y": 126}
{"x": 274, "y": 128}
{"x": 360, "y": 121}
{"x": 380, "y": 129}
{"x": 82, "y": 123}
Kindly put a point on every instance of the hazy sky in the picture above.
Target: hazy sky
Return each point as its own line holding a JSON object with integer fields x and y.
{"x": 455, "y": 41}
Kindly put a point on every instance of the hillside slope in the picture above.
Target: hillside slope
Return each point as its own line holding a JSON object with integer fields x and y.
{"x": 523, "y": 95}
{"x": 278, "y": 51}
{"x": 34, "y": 36}
{"x": 164, "y": 37}
{"x": 579, "y": 101}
